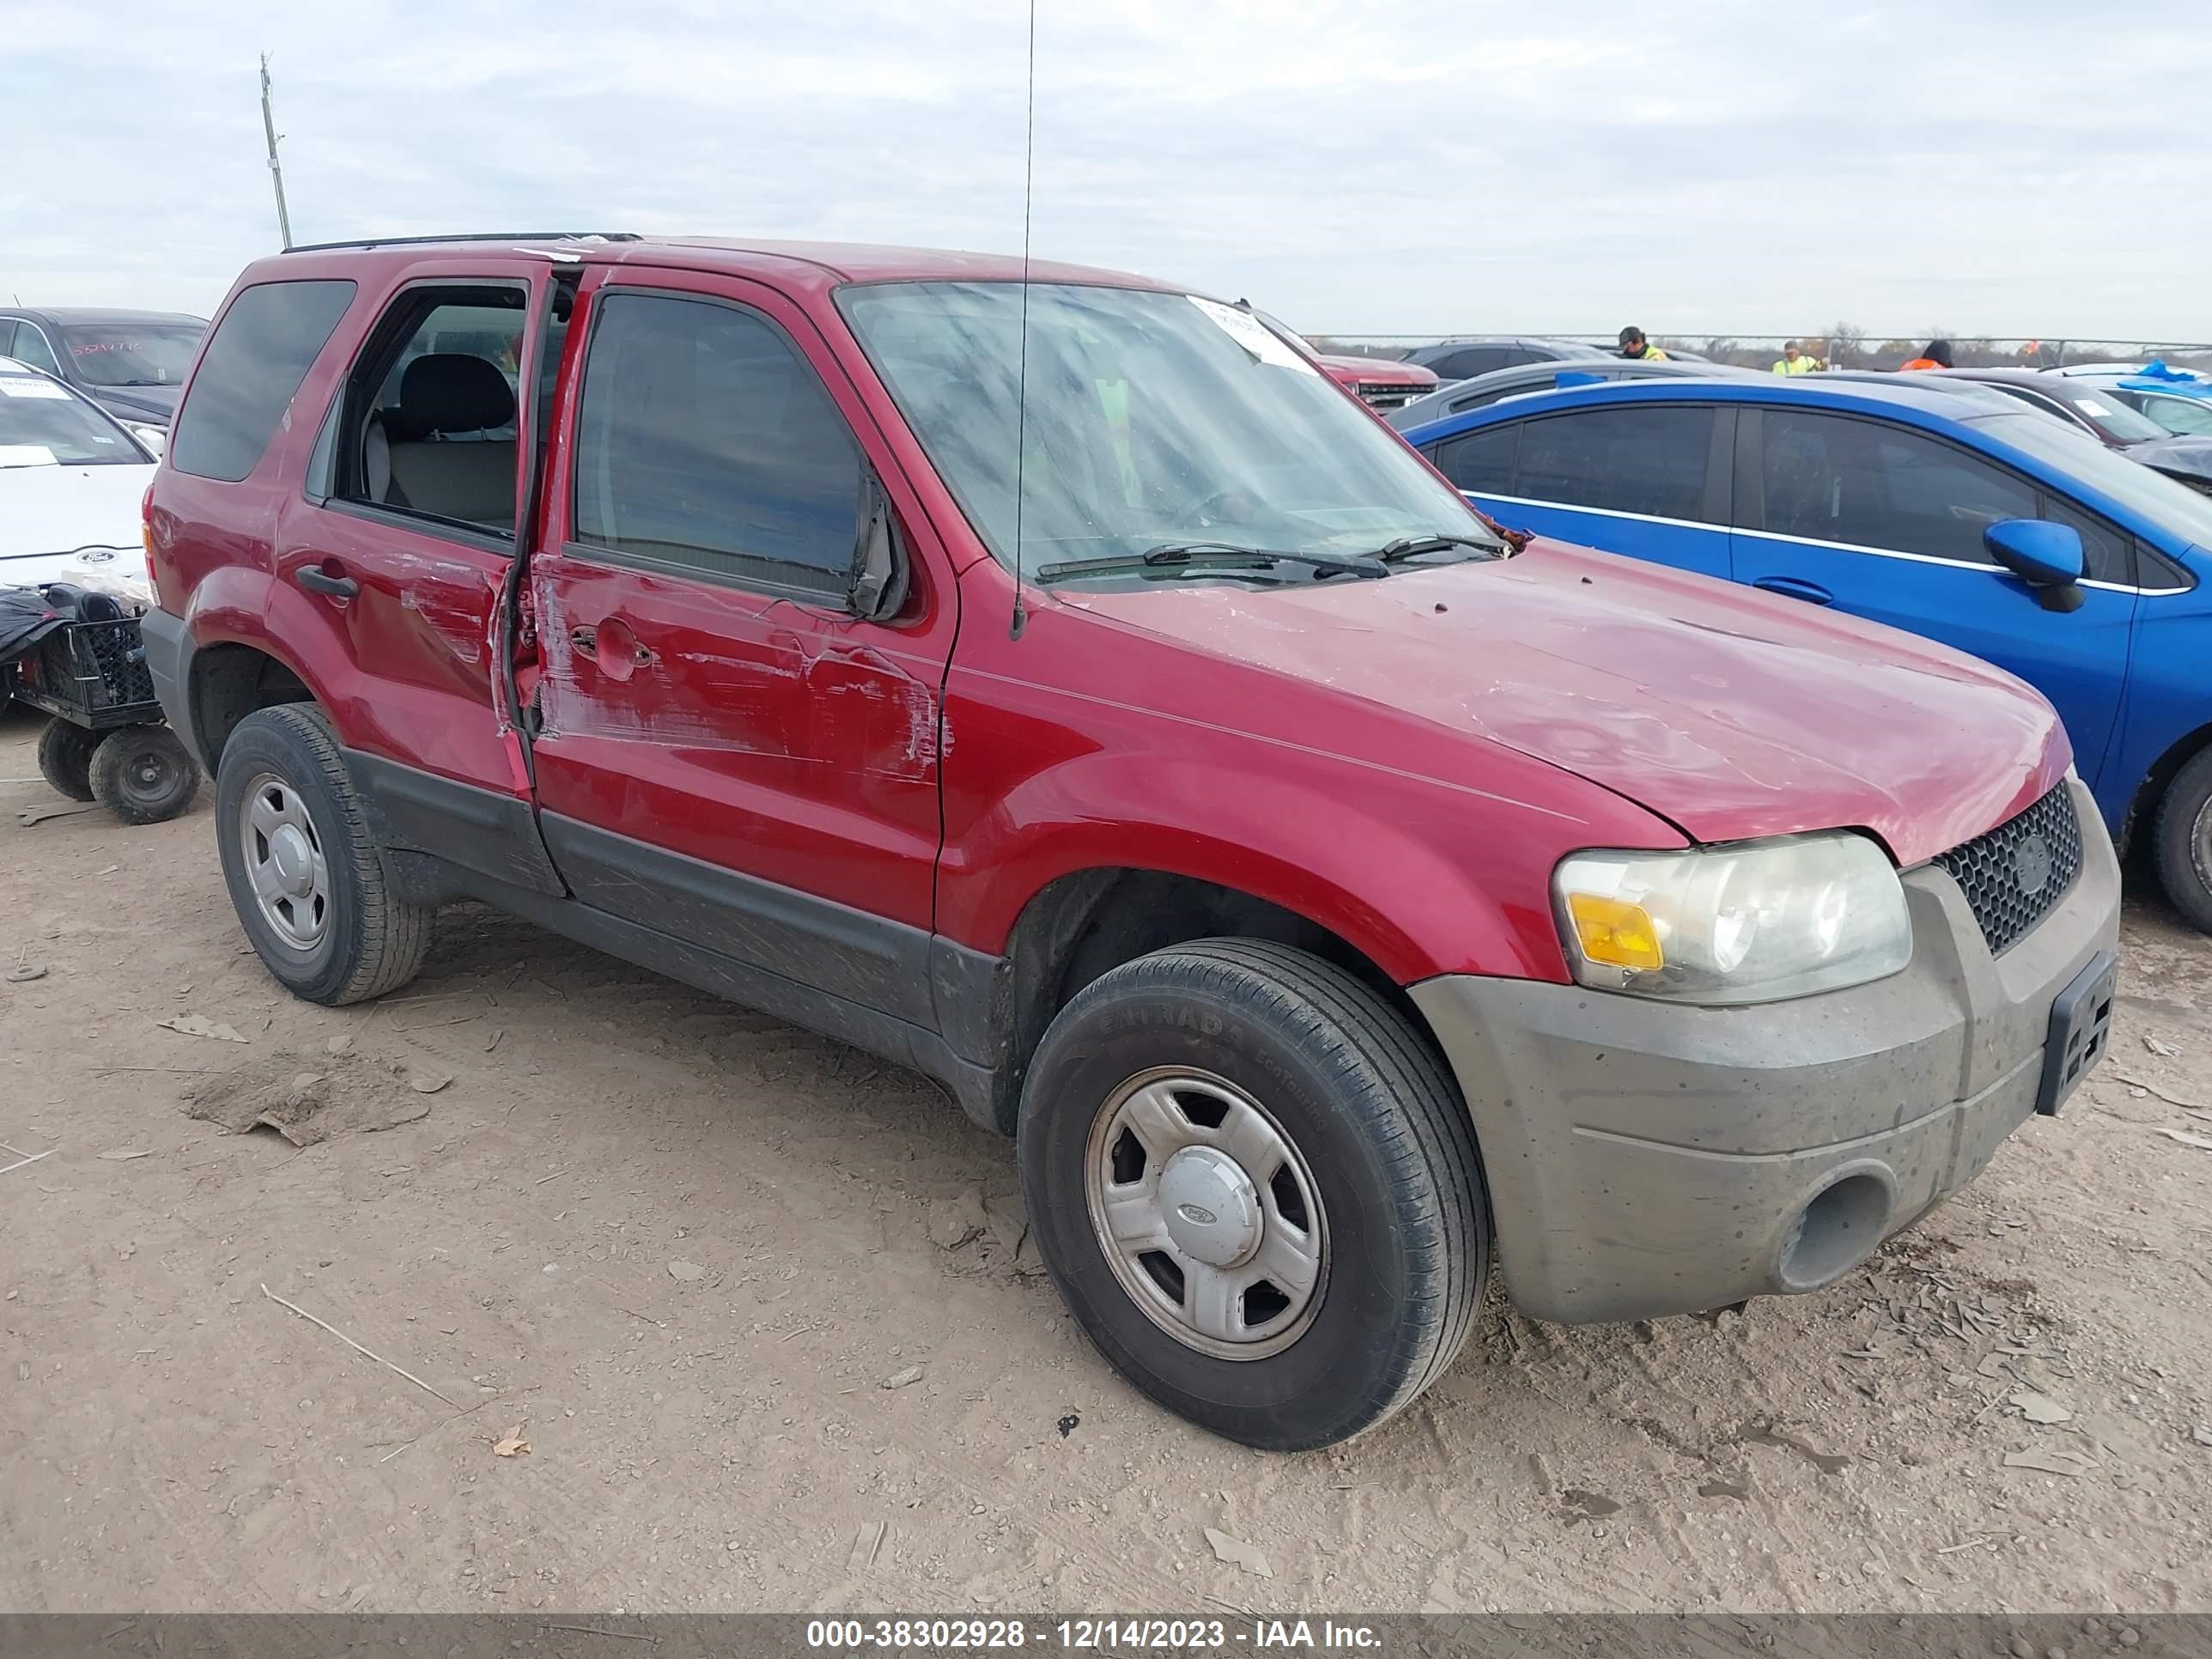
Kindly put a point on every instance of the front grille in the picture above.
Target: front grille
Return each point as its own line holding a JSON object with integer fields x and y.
{"x": 1385, "y": 394}
{"x": 2016, "y": 873}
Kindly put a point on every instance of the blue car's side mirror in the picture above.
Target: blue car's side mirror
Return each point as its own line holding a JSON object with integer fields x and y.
{"x": 2047, "y": 556}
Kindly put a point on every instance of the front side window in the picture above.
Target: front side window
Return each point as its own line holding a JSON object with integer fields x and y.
{"x": 2161, "y": 502}
{"x": 1831, "y": 478}
{"x": 43, "y": 423}
{"x": 266, "y": 343}
{"x": 430, "y": 419}
{"x": 31, "y": 348}
{"x": 707, "y": 444}
{"x": 132, "y": 354}
{"x": 1649, "y": 459}
{"x": 1481, "y": 460}
{"x": 1152, "y": 419}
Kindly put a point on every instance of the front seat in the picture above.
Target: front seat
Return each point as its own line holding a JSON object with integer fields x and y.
{"x": 431, "y": 448}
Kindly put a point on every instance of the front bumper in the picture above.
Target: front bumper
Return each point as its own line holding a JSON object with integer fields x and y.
{"x": 1646, "y": 1158}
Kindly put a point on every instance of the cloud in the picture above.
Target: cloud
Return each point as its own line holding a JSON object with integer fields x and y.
{"x": 2009, "y": 167}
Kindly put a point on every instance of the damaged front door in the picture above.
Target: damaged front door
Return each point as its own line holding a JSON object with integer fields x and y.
{"x": 726, "y": 752}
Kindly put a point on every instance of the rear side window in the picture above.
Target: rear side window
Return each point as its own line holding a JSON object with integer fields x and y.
{"x": 1649, "y": 460}
{"x": 31, "y": 347}
{"x": 706, "y": 443}
{"x": 262, "y": 349}
{"x": 1480, "y": 460}
{"x": 1869, "y": 484}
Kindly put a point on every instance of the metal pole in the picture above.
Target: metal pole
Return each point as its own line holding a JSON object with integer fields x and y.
{"x": 275, "y": 168}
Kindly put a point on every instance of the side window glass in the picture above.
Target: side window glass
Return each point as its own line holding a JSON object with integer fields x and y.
{"x": 1832, "y": 479}
{"x": 435, "y": 437}
{"x": 2106, "y": 555}
{"x": 1651, "y": 460}
{"x": 31, "y": 348}
{"x": 7, "y": 337}
{"x": 1482, "y": 460}
{"x": 266, "y": 343}
{"x": 705, "y": 442}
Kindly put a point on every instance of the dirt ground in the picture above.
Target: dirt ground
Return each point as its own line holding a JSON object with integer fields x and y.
{"x": 692, "y": 1257}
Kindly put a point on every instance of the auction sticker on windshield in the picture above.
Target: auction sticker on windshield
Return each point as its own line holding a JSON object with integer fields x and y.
{"x": 1255, "y": 335}
{"x": 21, "y": 385}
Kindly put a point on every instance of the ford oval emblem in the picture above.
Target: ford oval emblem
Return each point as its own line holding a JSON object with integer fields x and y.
{"x": 2031, "y": 865}
{"x": 1197, "y": 1214}
{"x": 96, "y": 556}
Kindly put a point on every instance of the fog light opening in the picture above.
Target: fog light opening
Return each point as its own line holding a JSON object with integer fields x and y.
{"x": 1838, "y": 1230}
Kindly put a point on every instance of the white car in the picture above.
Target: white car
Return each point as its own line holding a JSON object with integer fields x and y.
{"x": 72, "y": 481}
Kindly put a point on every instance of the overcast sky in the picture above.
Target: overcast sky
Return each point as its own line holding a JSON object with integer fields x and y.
{"x": 2001, "y": 166}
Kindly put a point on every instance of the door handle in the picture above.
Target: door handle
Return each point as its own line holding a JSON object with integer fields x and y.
{"x": 1796, "y": 588}
{"x": 316, "y": 580}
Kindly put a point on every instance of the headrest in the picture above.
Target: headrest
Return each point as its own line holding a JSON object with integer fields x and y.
{"x": 452, "y": 392}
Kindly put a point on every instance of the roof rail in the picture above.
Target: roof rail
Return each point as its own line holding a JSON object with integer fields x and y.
{"x": 472, "y": 236}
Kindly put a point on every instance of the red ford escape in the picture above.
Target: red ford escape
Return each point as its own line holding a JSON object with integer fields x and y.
{"x": 1078, "y": 698}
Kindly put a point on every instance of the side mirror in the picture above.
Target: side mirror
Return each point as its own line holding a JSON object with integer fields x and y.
{"x": 2047, "y": 556}
{"x": 879, "y": 573}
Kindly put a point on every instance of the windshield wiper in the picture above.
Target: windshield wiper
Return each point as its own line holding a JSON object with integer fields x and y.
{"x": 1406, "y": 547}
{"x": 1211, "y": 556}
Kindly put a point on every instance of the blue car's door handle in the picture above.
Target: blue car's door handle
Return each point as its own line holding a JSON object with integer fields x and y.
{"x": 1811, "y": 592}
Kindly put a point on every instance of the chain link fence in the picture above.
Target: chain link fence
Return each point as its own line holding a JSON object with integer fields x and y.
{"x": 1839, "y": 346}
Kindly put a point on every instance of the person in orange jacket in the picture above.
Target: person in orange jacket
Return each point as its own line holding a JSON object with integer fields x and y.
{"x": 1938, "y": 355}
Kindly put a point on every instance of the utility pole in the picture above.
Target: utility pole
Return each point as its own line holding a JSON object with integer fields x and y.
{"x": 276, "y": 168}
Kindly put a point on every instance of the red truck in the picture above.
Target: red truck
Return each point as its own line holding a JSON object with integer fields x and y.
{"x": 1377, "y": 381}
{"x": 1046, "y": 680}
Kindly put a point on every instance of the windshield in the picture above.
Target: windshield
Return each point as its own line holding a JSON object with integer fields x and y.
{"x": 42, "y": 423}
{"x": 2119, "y": 424}
{"x": 2165, "y": 502}
{"x": 1152, "y": 419}
{"x": 132, "y": 354}
{"x": 2190, "y": 418}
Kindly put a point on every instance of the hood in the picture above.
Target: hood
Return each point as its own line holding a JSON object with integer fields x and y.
{"x": 1729, "y": 713}
{"x": 155, "y": 404}
{"x": 1378, "y": 371}
{"x": 47, "y": 513}
{"x": 2187, "y": 458}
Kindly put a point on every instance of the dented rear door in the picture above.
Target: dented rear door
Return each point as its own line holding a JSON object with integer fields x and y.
{"x": 724, "y": 752}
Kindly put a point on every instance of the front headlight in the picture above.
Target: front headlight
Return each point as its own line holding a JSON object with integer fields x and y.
{"x": 1753, "y": 922}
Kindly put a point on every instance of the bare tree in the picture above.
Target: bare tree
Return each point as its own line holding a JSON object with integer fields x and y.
{"x": 1846, "y": 345}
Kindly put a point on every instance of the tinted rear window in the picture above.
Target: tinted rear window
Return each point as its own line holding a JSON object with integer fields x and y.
{"x": 261, "y": 351}
{"x": 1647, "y": 460}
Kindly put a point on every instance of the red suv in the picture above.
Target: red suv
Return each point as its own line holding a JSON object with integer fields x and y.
{"x": 1065, "y": 689}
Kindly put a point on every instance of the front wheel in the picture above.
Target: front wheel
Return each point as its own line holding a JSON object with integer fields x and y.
{"x": 1257, "y": 1188}
{"x": 2182, "y": 838}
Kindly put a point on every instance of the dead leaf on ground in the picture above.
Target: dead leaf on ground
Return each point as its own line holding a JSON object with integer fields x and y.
{"x": 2040, "y": 1407}
{"x": 688, "y": 1273}
{"x": 200, "y": 1026}
{"x": 510, "y": 1444}
{"x": 911, "y": 1375}
{"x": 1238, "y": 1553}
{"x": 2202, "y": 1144}
{"x": 121, "y": 1153}
{"x": 2051, "y": 1460}
{"x": 2163, "y": 1050}
{"x": 429, "y": 1083}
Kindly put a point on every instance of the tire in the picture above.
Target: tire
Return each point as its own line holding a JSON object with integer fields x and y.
{"x": 1379, "y": 1155}
{"x": 144, "y": 774}
{"x": 2183, "y": 839}
{"x": 334, "y": 931}
{"x": 65, "y": 758}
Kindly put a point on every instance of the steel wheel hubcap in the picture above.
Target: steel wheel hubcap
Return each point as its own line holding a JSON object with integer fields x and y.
{"x": 1208, "y": 1213}
{"x": 284, "y": 862}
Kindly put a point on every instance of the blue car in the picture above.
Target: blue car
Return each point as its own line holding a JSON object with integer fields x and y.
{"x": 1961, "y": 515}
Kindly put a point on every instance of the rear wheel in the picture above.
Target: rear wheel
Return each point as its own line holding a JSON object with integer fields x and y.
{"x": 65, "y": 758}
{"x": 1257, "y": 1188}
{"x": 144, "y": 774}
{"x": 305, "y": 874}
{"x": 2183, "y": 836}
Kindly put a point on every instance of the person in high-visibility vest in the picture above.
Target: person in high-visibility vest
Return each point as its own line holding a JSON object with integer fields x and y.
{"x": 1636, "y": 349}
{"x": 1938, "y": 355}
{"x": 1796, "y": 360}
